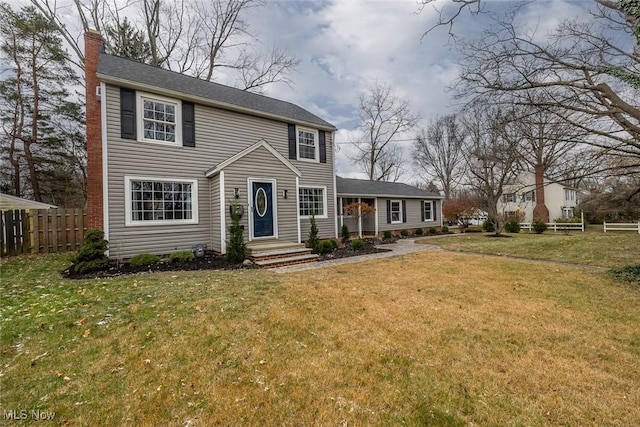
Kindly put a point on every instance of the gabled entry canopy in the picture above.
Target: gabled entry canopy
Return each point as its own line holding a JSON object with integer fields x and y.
{"x": 260, "y": 144}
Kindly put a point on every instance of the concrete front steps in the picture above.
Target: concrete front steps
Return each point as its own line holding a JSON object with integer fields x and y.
{"x": 279, "y": 254}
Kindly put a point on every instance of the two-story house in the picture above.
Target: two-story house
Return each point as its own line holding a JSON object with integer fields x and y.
{"x": 169, "y": 155}
{"x": 519, "y": 198}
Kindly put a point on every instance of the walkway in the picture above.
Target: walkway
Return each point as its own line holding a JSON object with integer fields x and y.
{"x": 401, "y": 247}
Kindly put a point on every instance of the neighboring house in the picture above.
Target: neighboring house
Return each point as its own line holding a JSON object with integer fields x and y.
{"x": 10, "y": 203}
{"x": 397, "y": 206}
{"x": 519, "y": 198}
{"x": 169, "y": 155}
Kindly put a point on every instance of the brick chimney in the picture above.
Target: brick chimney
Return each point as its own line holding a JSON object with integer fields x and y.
{"x": 93, "y": 45}
{"x": 540, "y": 211}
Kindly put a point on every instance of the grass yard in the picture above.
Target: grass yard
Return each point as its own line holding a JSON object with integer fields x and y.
{"x": 592, "y": 247}
{"x": 424, "y": 339}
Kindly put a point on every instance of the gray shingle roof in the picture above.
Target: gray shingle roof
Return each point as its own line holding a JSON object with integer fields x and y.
{"x": 363, "y": 187}
{"x": 137, "y": 72}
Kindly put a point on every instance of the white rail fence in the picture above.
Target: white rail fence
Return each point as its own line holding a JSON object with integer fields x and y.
{"x": 621, "y": 226}
{"x": 555, "y": 226}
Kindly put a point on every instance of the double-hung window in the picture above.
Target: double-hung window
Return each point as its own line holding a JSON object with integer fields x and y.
{"x": 159, "y": 119}
{"x": 428, "y": 210}
{"x": 312, "y": 201}
{"x": 569, "y": 195}
{"x": 509, "y": 197}
{"x": 396, "y": 211}
{"x": 529, "y": 196}
{"x": 307, "y": 144}
{"x": 160, "y": 201}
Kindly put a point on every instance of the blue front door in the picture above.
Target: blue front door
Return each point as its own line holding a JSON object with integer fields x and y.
{"x": 262, "y": 193}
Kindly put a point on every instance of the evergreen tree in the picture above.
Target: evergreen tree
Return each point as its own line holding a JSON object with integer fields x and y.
{"x": 42, "y": 134}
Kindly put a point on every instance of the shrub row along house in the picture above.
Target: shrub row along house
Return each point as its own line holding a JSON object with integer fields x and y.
{"x": 170, "y": 155}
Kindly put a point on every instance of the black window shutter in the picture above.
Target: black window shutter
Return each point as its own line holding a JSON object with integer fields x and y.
{"x": 433, "y": 210}
{"x": 292, "y": 142}
{"x": 388, "y": 211}
{"x": 422, "y": 202}
{"x": 323, "y": 146}
{"x": 188, "y": 125}
{"x": 128, "y": 113}
{"x": 404, "y": 211}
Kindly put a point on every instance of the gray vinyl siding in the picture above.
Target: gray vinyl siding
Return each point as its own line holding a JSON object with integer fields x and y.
{"x": 262, "y": 165}
{"x": 414, "y": 215}
{"x": 219, "y": 135}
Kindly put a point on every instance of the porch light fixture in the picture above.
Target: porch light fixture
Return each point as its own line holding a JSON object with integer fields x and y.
{"x": 284, "y": 193}
{"x": 236, "y": 193}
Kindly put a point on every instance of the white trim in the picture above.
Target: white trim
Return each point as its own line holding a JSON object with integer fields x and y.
{"x": 223, "y": 216}
{"x": 206, "y": 101}
{"x": 127, "y": 200}
{"x": 140, "y": 96}
{"x": 324, "y": 201}
{"x": 260, "y": 144}
{"x": 274, "y": 201}
{"x": 441, "y": 219}
{"x": 337, "y": 213}
{"x": 375, "y": 204}
{"x": 298, "y": 209}
{"x": 105, "y": 164}
{"x": 399, "y": 202}
{"x": 316, "y": 146}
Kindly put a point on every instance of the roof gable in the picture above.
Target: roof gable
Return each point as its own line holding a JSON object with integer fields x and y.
{"x": 260, "y": 144}
{"x": 126, "y": 72}
{"x": 363, "y": 187}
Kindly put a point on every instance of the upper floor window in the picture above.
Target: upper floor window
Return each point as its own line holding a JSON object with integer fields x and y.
{"x": 569, "y": 195}
{"x": 509, "y": 197}
{"x": 307, "y": 144}
{"x": 159, "y": 119}
{"x": 529, "y": 196}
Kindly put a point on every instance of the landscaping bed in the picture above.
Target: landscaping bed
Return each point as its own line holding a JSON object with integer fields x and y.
{"x": 210, "y": 261}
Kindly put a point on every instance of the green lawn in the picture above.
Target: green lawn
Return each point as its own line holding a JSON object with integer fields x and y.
{"x": 613, "y": 249}
{"x": 423, "y": 339}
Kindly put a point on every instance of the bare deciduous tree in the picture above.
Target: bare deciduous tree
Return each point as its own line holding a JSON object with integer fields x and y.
{"x": 492, "y": 156}
{"x": 438, "y": 153}
{"x": 586, "y": 73}
{"x": 188, "y": 36}
{"x": 384, "y": 117}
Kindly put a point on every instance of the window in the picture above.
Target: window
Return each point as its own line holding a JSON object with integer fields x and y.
{"x": 307, "y": 144}
{"x": 396, "y": 211}
{"x": 159, "y": 120}
{"x": 511, "y": 214}
{"x": 312, "y": 201}
{"x": 509, "y": 198}
{"x": 569, "y": 195}
{"x": 428, "y": 210}
{"x": 567, "y": 213}
{"x": 160, "y": 201}
{"x": 529, "y": 196}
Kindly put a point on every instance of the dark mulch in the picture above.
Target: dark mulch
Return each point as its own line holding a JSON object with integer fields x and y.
{"x": 209, "y": 261}
{"x": 346, "y": 251}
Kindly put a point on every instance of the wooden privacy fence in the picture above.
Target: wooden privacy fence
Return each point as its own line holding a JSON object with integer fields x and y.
{"x": 42, "y": 231}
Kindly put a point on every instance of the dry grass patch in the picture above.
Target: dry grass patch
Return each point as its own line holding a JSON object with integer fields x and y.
{"x": 417, "y": 340}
